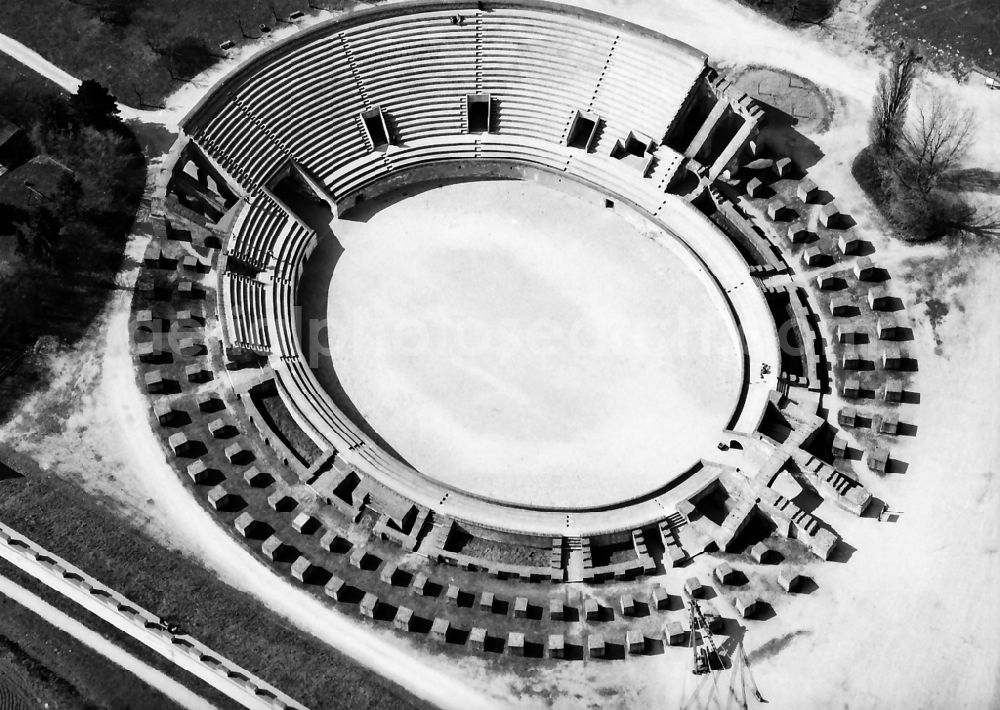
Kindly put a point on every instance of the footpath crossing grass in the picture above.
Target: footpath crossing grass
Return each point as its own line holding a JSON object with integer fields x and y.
{"x": 142, "y": 49}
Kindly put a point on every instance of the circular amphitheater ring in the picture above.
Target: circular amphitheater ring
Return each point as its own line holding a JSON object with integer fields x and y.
{"x": 267, "y": 234}
{"x": 317, "y": 107}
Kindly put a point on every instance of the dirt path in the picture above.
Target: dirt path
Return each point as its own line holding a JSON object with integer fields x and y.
{"x": 177, "y": 692}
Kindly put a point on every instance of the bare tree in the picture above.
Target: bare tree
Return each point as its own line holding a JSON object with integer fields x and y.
{"x": 139, "y": 95}
{"x": 885, "y": 128}
{"x": 936, "y": 144}
{"x": 924, "y": 176}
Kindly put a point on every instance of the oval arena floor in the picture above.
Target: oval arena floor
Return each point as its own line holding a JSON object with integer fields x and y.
{"x": 520, "y": 343}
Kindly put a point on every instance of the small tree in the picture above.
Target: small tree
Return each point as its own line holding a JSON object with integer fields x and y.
{"x": 93, "y": 103}
{"x": 885, "y": 128}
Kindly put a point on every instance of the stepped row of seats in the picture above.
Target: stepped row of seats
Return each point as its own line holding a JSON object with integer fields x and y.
{"x": 247, "y": 312}
{"x": 420, "y": 68}
{"x": 281, "y": 302}
{"x": 301, "y": 394}
{"x": 258, "y": 227}
{"x": 618, "y": 178}
{"x": 612, "y": 175}
{"x": 539, "y": 68}
{"x": 635, "y": 100}
{"x": 290, "y": 250}
{"x": 311, "y": 100}
{"x": 240, "y": 146}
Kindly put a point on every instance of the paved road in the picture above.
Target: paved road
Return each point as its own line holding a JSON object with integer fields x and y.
{"x": 177, "y": 692}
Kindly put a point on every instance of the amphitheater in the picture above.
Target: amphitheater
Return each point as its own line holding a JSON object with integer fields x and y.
{"x": 302, "y": 163}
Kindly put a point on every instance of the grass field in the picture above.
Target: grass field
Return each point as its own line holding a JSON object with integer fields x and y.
{"x": 72, "y": 524}
{"x": 50, "y": 668}
{"x": 22, "y": 89}
{"x": 137, "y": 48}
{"x": 954, "y": 33}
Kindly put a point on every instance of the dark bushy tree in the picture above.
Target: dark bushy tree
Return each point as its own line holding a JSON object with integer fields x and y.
{"x": 93, "y": 103}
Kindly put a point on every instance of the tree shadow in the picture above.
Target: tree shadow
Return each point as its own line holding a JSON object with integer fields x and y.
{"x": 972, "y": 180}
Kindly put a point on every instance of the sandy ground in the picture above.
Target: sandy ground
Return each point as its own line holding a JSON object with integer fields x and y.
{"x": 525, "y": 349}
{"x": 910, "y": 619}
{"x": 180, "y": 694}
